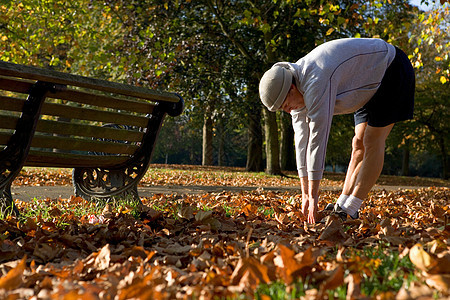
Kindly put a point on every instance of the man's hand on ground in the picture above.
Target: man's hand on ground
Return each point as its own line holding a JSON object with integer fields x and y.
{"x": 309, "y": 209}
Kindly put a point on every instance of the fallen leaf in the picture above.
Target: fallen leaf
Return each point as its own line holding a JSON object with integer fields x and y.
{"x": 46, "y": 252}
{"x": 333, "y": 231}
{"x": 186, "y": 212}
{"x": 430, "y": 263}
{"x": 414, "y": 290}
{"x": 354, "y": 286}
{"x": 203, "y": 215}
{"x": 290, "y": 265}
{"x": 103, "y": 258}
{"x": 441, "y": 282}
{"x": 13, "y": 279}
{"x": 335, "y": 279}
{"x": 249, "y": 272}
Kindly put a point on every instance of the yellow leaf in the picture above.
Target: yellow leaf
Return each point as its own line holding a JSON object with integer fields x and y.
{"x": 440, "y": 282}
{"x": 13, "y": 279}
{"x": 437, "y": 58}
{"x": 330, "y": 31}
{"x": 421, "y": 259}
{"x": 443, "y": 79}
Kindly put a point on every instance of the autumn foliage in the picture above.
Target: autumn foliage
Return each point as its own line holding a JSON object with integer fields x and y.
{"x": 226, "y": 245}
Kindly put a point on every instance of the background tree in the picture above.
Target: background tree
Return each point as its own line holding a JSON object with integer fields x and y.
{"x": 214, "y": 53}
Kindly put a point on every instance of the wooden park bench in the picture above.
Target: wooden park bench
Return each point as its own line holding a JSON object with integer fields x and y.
{"x": 105, "y": 131}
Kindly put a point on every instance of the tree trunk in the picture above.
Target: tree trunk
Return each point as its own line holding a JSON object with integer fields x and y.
{"x": 207, "y": 149}
{"x": 270, "y": 120}
{"x": 445, "y": 164}
{"x": 255, "y": 141}
{"x": 272, "y": 144}
{"x": 287, "y": 151}
{"x": 221, "y": 137}
{"x": 255, "y": 134}
{"x": 405, "y": 162}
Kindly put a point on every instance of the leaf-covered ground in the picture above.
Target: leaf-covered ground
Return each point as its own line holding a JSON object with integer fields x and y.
{"x": 225, "y": 245}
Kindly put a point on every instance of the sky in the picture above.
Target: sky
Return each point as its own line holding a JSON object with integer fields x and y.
{"x": 423, "y": 7}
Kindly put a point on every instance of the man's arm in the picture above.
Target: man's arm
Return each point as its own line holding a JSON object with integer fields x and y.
{"x": 310, "y": 198}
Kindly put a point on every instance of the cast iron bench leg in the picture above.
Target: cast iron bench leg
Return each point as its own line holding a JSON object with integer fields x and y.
{"x": 13, "y": 156}
{"x": 122, "y": 181}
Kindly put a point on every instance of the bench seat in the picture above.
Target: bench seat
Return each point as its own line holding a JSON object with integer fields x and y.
{"x": 106, "y": 131}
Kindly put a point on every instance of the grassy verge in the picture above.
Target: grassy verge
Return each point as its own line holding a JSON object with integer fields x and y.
{"x": 382, "y": 271}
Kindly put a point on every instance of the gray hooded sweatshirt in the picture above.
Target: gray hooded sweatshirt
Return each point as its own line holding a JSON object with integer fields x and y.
{"x": 337, "y": 77}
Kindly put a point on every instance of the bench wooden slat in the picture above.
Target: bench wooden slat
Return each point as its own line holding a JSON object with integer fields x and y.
{"x": 4, "y": 137}
{"x": 11, "y": 104}
{"x": 82, "y": 97}
{"x": 104, "y": 101}
{"x": 71, "y": 112}
{"x": 70, "y": 160}
{"x": 47, "y": 126}
{"x": 71, "y": 143}
{"x": 34, "y": 73}
{"x": 64, "y": 128}
{"x": 80, "y": 113}
{"x": 8, "y": 122}
{"x": 18, "y": 86}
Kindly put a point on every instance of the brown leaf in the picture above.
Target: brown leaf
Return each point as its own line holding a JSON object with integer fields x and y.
{"x": 203, "y": 215}
{"x": 250, "y": 272}
{"x": 29, "y": 225}
{"x": 290, "y": 265}
{"x": 282, "y": 218}
{"x": 13, "y": 279}
{"x": 333, "y": 231}
{"x": 386, "y": 227}
{"x": 46, "y": 283}
{"x": 436, "y": 210}
{"x": 103, "y": 258}
{"x": 186, "y": 212}
{"x": 249, "y": 210}
{"x": 441, "y": 282}
{"x": 150, "y": 213}
{"x": 335, "y": 279}
{"x": 354, "y": 286}
{"x": 414, "y": 290}
{"x": 8, "y": 250}
{"x": 430, "y": 263}
{"x": 46, "y": 252}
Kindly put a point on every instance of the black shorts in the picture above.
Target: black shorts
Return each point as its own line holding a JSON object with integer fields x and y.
{"x": 394, "y": 100}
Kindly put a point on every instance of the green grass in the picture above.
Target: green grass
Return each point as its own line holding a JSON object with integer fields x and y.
{"x": 59, "y": 211}
{"x": 390, "y": 274}
{"x": 385, "y": 272}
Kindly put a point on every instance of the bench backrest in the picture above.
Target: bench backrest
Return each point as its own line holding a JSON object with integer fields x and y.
{"x": 81, "y": 118}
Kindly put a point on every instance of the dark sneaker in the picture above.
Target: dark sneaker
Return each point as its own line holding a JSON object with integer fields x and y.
{"x": 329, "y": 207}
{"x": 338, "y": 211}
{"x": 342, "y": 214}
{"x": 335, "y": 209}
{"x": 323, "y": 214}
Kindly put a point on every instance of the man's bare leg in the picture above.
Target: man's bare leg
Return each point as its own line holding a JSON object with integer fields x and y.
{"x": 372, "y": 163}
{"x": 356, "y": 159}
{"x": 363, "y": 172}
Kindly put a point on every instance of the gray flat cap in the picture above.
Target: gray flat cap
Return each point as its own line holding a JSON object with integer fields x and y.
{"x": 274, "y": 86}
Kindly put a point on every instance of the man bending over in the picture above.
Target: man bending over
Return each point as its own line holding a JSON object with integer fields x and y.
{"x": 367, "y": 77}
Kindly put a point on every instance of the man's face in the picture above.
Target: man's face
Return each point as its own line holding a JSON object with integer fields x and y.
{"x": 294, "y": 100}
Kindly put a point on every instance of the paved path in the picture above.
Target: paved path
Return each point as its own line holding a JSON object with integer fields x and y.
{"x": 25, "y": 193}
